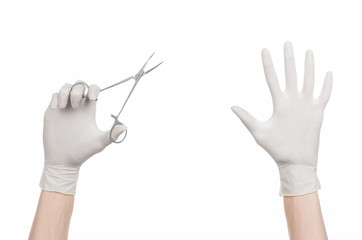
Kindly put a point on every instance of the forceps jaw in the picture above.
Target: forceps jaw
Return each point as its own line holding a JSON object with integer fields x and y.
{"x": 137, "y": 76}
{"x": 142, "y": 71}
{"x": 152, "y": 68}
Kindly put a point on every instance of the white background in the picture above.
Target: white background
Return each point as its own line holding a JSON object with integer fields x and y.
{"x": 188, "y": 169}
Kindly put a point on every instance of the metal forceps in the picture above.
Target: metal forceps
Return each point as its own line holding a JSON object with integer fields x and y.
{"x": 136, "y": 79}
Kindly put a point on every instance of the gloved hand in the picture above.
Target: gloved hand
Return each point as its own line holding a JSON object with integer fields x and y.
{"x": 291, "y": 135}
{"x": 71, "y": 136}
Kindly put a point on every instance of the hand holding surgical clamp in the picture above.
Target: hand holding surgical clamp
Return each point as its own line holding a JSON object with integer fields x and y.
{"x": 136, "y": 79}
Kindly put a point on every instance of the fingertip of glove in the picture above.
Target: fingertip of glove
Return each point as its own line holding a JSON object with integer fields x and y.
{"x": 115, "y": 133}
{"x": 234, "y": 108}
{"x": 264, "y": 52}
{"x": 94, "y": 91}
{"x": 118, "y": 130}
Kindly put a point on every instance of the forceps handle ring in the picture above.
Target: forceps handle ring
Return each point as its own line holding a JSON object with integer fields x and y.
{"x": 86, "y": 88}
{"x": 116, "y": 123}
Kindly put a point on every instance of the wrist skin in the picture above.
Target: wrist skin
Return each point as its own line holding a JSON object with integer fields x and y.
{"x": 52, "y": 218}
{"x": 304, "y": 217}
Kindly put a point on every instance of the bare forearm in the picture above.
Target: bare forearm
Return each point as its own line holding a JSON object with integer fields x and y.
{"x": 52, "y": 217}
{"x": 304, "y": 217}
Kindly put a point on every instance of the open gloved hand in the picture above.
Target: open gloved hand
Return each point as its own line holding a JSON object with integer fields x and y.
{"x": 71, "y": 136}
{"x": 291, "y": 135}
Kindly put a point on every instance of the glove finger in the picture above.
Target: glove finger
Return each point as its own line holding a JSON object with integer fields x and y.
{"x": 326, "y": 89}
{"x": 93, "y": 93}
{"x": 116, "y": 132}
{"x": 308, "y": 74}
{"x": 76, "y": 94}
{"x": 63, "y": 95}
{"x": 104, "y": 138}
{"x": 54, "y": 102}
{"x": 248, "y": 120}
{"x": 290, "y": 69}
{"x": 270, "y": 75}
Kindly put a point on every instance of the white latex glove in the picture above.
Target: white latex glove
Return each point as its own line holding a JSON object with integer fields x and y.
{"x": 71, "y": 136}
{"x": 291, "y": 135}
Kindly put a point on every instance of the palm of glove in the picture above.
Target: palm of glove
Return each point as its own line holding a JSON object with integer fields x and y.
{"x": 291, "y": 135}
{"x": 70, "y": 135}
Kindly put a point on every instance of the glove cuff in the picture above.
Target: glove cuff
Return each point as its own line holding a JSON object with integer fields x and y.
{"x": 59, "y": 178}
{"x": 298, "y": 180}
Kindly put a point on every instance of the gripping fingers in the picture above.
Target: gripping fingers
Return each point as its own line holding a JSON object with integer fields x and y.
{"x": 94, "y": 91}
{"x": 106, "y": 136}
{"x": 54, "y": 102}
{"x": 64, "y": 95}
{"x": 117, "y": 131}
{"x": 76, "y": 94}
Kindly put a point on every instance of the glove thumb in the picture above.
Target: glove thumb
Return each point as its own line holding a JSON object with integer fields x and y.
{"x": 248, "y": 120}
{"x": 116, "y": 132}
